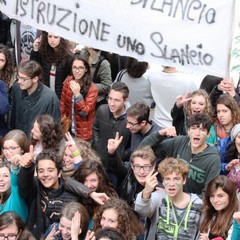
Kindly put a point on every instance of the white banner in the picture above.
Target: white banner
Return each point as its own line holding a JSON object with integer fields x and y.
{"x": 193, "y": 34}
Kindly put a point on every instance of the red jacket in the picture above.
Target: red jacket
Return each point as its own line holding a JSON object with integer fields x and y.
{"x": 84, "y": 108}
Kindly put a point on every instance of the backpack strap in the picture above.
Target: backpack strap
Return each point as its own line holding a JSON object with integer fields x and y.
{"x": 120, "y": 75}
{"x": 95, "y": 78}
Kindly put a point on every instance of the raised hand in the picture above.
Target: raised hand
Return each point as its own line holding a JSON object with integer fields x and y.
{"x": 170, "y": 132}
{"x": 100, "y": 198}
{"x": 26, "y": 159}
{"x": 227, "y": 85}
{"x": 90, "y": 235}
{"x": 75, "y": 87}
{"x": 52, "y": 234}
{"x": 236, "y": 216}
{"x": 150, "y": 183}
{"x": 231, "y": 164}
{"x": 114, "y": 143}
{"x": 36, "y": 44}
{"x": 181, "y": 99}
{"x": 70, "y": 143}
{"x": 76, "y": 226}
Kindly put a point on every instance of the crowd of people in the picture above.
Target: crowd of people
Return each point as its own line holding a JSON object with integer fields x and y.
{"x": 88, "y": 154}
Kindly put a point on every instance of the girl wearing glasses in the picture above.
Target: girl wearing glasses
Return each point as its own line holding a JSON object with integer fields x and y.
{"x": 15, "y": 143}
{"x": 13, "y": 228}
{"x": 78, "y": 99}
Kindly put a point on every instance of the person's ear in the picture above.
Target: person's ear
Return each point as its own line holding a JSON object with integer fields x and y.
{"x": 35, "y": 79}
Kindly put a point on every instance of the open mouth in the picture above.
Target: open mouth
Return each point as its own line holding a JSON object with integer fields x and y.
{"x": 171, "y": 190}
{"x": 196, "y": 111}
{"x": 196, "y": 140}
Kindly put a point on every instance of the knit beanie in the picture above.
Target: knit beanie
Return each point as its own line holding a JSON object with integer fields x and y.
{"x": 234, "y": 132}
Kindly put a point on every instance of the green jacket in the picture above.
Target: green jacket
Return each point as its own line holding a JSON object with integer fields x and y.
{"x": 203, "y": 167}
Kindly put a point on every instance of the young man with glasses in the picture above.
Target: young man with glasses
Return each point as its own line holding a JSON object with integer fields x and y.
{"x": 30, "y": 98}
{"x": 131, "y": 174}
{"x": 173, "y": 213}
{"x": 138, "y": 123}
{"x": 110, "y": 119}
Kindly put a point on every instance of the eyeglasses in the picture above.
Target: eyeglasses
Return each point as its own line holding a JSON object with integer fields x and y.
{"x": 80, "y": 68}
{"x": 9, "y": 237}
{"x": 10, "y": 148}
{"x": 23, "y": 78}
{"x": 145, "y": 168}
{"x": 109, "y": 99}
{"x": 132, "y": 124}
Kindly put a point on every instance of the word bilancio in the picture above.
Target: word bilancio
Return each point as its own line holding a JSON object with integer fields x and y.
{"x": 192, "y": 10}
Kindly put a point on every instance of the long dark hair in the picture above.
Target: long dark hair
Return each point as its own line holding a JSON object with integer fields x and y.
{"x": 86, "y": 80}
{"x": 223, "y": 219}
{"x": 50, "y": 55}
{"x": 7, "y": 72}
{"x": 51, "y": 131}
{"x": 5, "y": 195}
{"x": 87, "y": 167}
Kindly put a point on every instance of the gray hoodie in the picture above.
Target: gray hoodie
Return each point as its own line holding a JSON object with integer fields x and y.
{"x": 163, "y": 217}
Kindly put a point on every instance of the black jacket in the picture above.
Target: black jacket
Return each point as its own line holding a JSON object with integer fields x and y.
{"x": 62, "y": 71}
{"x": 45, "y": 204}
{"x": 105, "y": 127}
{"x": 25, "y": 108}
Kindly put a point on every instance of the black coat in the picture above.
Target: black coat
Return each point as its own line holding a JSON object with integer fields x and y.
{"x": 45, "y": 204}
{"x": 62, "y": 71}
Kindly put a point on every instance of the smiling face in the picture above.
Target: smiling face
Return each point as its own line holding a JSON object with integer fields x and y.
{"x": 219, "y": 199}
{"x": 11, "y": 148}
{"x": 92, "y": 181}
{"x": 173, "y": 184}
{"x": 65, "y": 228}
{"x": 78, "y": 69}
{"x": 198, "y": 136}
{"x": 5, "y": 179}
{"x": 67, "y": 159}
{"x": 198, "y": 104}
{"x": 116, "y": 103}
{"x": 47, "y": 174}
{"x": 141, "y": 168}
{"x": 109, "y": 218}
{"x": 36, "y": 133}
{"x": 224, "y": 116}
